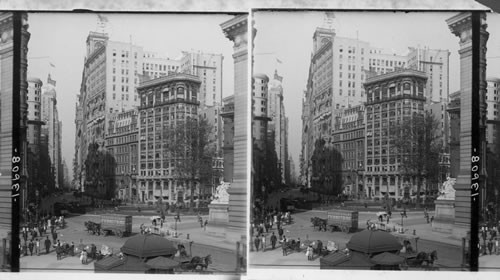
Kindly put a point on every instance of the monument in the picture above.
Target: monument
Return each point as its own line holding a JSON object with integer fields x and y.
{"x": 218, "y": 211}
{"x": 444, "y": 218}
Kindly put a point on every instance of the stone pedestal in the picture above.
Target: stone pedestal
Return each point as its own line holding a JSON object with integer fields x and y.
{"x": 218, "y": 214}
{"x": 218, "y": 219}
{"x": 444, "y": 217}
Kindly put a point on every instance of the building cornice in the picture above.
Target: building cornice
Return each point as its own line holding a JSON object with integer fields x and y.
{"x": 405, "y": 73}
{"x": 175, "y": 77}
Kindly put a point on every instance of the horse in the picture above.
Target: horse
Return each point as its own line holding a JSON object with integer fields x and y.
{"x": 427, "y": 259}
{"x": 318, "y": 222}
{"x": 201, "y": 262}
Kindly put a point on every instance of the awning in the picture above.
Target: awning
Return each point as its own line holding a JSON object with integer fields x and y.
{"x": 372, "y": 242}
{"x": 148, "y": 245}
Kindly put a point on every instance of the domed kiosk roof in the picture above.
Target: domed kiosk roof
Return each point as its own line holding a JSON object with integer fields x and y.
{"x": 373, "y": 241}
{"x": 148, "y": 245}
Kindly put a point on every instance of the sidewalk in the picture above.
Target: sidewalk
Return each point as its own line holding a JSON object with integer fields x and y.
{"x": 489, "y": 263}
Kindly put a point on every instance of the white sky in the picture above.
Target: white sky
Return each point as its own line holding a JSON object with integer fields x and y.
{"x": 59, "y": 38}
{"x": 288, "y": 37}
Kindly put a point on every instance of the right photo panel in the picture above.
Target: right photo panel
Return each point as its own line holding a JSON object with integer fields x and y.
{"x": 369, "y": 131}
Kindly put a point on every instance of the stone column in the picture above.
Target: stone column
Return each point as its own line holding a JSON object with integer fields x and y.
{"x": 461, "y": 26}
{"x": 6, "y": 117}
{"x": 236, "y": 30}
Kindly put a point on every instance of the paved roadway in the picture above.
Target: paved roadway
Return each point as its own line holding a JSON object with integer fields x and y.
{"x": 223, "y": 252}
{"x": 448, "y": 247}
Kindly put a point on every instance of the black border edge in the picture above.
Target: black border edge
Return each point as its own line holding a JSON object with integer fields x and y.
{"x": 16, "y": 144}
{"x": 475, "y": 142}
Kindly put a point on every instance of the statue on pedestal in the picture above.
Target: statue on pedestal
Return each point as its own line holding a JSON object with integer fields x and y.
{"x": 221, "y": 195}
{"x": 447, "y": 192}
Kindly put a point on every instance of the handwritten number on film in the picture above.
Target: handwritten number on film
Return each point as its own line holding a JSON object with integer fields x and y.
{"x": 475, "y": 175}
{"x": 15, "y": 170}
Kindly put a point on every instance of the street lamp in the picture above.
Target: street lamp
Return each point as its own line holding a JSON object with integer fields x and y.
{"x": 402, "y": 215}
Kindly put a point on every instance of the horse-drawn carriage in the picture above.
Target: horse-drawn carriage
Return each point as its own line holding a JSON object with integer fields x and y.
{"x": 291, "y": 245}
{"x": 194, "y": 264}
{"x": 64, "y": 250}
{"x": 120, "y": 225}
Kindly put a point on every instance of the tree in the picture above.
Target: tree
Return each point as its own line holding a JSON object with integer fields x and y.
{"x": 417, "y": 144}
{"x": 326, "y": 169}
{"x": 187, "y": 146}
{"x": 99, "y": 173}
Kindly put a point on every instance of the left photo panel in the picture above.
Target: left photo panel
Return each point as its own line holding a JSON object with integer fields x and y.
{"x": 129, "y": 141}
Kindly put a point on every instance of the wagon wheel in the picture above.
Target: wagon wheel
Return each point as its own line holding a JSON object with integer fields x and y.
{"x": 119, "y": 233}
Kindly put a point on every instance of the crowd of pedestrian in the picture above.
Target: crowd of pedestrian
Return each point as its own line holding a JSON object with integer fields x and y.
{"x": 490, "y": 238}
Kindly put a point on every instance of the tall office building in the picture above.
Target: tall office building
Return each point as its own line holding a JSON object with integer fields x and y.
{"x": 276, "y": 125}
{"x": 259, "y": 110}
{"x": 435, "y": 63}
{"x": 492, "y": 113}
{"x": 339, "y": 67}
{"x": 51, "y": 127}
{"x": 391, "y": 99}
{"x": 166, "y": 101}
{"x": 122, "y": 143}
{"x": 112, "y": 72}
{"x": 207, "y": 67}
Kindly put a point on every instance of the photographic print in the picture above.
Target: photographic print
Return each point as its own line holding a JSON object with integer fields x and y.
{"x": 361, "y": 147}
{"x": 130, "y": 128}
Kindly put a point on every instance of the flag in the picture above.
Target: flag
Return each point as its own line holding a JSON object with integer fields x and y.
{"x": 102, "y": 18}
{"x": 50, "y": 81}
{"x": 277, "y": 77}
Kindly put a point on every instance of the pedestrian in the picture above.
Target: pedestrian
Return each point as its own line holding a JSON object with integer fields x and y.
{"x": 25, "y": 234}
{"x": 37, "y": 247}
{"x": 309, "y": 253}
{"x": 58, "y": 250}
{"x": 263, "y": 243}
{"x": 205, "y": 225}
{"x": 427, "y": 217}
{"x": 320, "y": 247}
{"x": 404, "y": 212}
{"x": 25, "y": 249}
{"x": 280, "y": 233}
{"x": 432, "y": 219}
{"x": 54, "y": 236}
{"x": 257, "y": 242}
{"x": 490, "y": 246}
{"x": 72, "y": 249}
{"x": 496, "y": 246}
{"x": 388, "y": 217}
{"x": 273, "y": 240}
{"x": 47, "y": 245}
{"x": 31, "y": 245}
{"x": 266, "y": 225}
{"x": 83, "y": 257}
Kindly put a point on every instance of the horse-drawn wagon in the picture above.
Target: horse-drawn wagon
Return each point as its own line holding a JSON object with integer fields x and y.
{"x": 344, "y": 220}
{"x": 120, "y": 225}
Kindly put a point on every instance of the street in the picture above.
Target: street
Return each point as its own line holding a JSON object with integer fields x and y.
{"x": 223, "y": 252}
{"x": 448, "y": 248}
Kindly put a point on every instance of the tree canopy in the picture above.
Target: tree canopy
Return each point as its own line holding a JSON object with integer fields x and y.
{"x": 326, "y": 169}
{"x": 187, "y": 146}
{"x": 417, "y": 143}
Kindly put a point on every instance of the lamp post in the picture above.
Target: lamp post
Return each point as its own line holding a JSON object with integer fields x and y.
{"x": 402, "y": 225}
